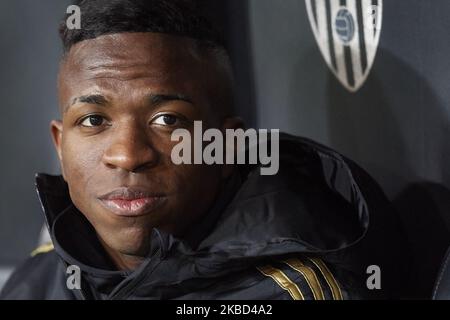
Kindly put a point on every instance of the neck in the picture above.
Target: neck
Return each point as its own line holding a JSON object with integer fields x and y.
{"x": 121, "y": 260}
{"x": 124, "y": 261}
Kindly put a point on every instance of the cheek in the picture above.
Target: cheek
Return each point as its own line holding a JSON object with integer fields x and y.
{"x": 194, "y": 184}
{"x": 197, "y": 185}
{"x": 80, "y": 161}
{"x": 194, "y": 191}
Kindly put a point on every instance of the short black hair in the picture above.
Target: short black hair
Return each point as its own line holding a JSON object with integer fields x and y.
{"x": 185, "y": 18}
{"x": 174, "y": 17}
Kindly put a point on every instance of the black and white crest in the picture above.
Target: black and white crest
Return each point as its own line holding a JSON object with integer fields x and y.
{"x": 348, "y": 33}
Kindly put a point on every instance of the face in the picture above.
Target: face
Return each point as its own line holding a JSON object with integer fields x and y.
{"x": 121, "y": 97}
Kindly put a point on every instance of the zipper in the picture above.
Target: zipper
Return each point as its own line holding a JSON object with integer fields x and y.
{"x": 123, "y": 293}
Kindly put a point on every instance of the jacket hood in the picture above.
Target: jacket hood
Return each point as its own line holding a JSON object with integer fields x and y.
{"x": 313, "y": 205}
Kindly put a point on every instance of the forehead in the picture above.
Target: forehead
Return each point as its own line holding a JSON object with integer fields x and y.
{"x": 120, "y": 59}
{"x": 126, "y": 49}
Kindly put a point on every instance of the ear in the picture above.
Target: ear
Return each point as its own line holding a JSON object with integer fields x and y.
{"x": 230, "y": 123}
{"x": 56, "y": 130}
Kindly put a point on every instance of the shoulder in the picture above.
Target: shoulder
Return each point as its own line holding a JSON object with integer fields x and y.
{"x": 41, "y": 276}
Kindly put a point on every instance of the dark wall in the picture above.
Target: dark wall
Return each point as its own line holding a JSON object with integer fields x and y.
{"x": 397, "y": 125}
{"x": 28, "y": 63}
{"x": 231, "y": 18}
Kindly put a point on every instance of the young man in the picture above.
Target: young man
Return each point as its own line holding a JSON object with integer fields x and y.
{"x": 137, "y": 226}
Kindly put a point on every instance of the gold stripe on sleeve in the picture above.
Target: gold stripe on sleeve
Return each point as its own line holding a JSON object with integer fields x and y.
{"x": 42, "y": 249}
{"x": 309, "y": 275}
{"x": 283, "y": 281}
{"x": 332, "y": 283}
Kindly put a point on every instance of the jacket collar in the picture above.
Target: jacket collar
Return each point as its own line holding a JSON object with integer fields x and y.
{"x": 314, "y": 205}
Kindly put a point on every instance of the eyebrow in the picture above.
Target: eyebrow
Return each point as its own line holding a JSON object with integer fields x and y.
{"x": 91, "y": 99}
{"x": 96, "y": 99}
{"x": 155, "y": 99}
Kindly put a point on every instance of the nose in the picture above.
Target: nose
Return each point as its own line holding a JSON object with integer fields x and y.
{"x": 130, "y": 149}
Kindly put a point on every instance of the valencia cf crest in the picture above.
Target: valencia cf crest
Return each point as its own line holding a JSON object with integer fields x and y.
{"x": 348, "y": 34}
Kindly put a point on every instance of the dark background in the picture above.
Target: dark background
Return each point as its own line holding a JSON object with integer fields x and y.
{"x": 396, "y": 126}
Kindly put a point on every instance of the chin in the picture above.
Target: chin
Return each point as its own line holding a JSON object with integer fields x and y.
{"x": 132, "y": 241}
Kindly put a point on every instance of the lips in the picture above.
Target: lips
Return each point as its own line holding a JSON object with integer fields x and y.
{"x": 131, "y": 202}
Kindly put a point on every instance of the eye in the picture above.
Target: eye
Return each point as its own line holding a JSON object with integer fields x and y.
{"x": 92, "y": 121}
{"x": 166, "y": 120}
